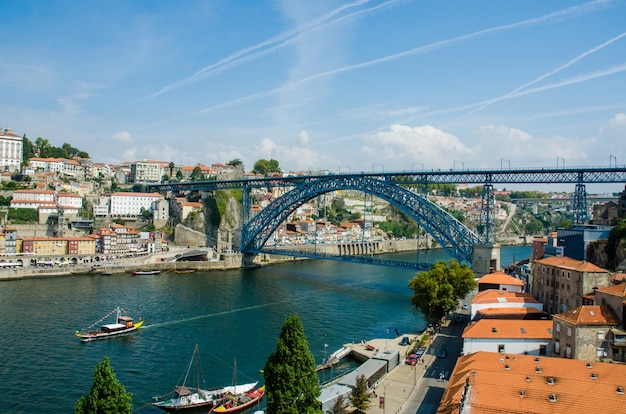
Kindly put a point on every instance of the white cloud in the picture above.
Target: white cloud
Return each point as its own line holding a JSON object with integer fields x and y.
{"x": 402, "y": 145}
{"x": 122, "y": 136}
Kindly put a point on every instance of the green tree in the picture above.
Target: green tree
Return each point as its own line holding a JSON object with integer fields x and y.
{"x": 179, "y": 175}
{"x": 196, "y": 174}
{"x": 266, "y": 167}
{"x": 439, "y": 290}
{"x": 171, "y": 166}
{"x": 360, "y": 397}
{"x": 291, "y": 382}
{"x": 107, "y": 394}
{"x": 235, "y": 163}
{"x": 340, "y": 406}
{"x": 616, "y": 235}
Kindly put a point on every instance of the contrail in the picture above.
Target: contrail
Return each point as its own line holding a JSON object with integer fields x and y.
{"x": 283, "y": 39}
{"x": 544, "y": 76}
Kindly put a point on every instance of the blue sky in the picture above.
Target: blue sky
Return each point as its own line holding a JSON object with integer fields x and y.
{"x": 354, "y": 85}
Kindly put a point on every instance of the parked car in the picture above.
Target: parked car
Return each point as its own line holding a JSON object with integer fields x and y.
{"x": 442, "y": 353}
{"x": 465, "y": 306}
{"x": 412, "y": 359}
{"x": 420, "y": 352}
{"x": 459, "y": 318}
{"x": 405, "y": 341}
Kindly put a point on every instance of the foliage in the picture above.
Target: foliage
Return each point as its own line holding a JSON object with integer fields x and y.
{"x": 5, "y": 201}
{"x": 235, "y": 163}
{"x": 471, "y": 192}
{"x": 291, "y": 382}
{"x": 145, "y": 213}
{"x": 528, "y": 194}
{"x": 359, "y": 397}
{"x": 439, "y": 290}
{"x": 616, "y": 235}
{"x": 119, "y": 221}
{"x": 42, "y": 148}
{"x": 446, "y": 190}
{"x": 23, "y": 215}
{"x": 179, "y": 175}
{"x": 28, "y": 149}
{"x": 107, "y": 394}
{"x": 196, "y": 174}
{"x": 19, "y": 177}
{"x": 337, "y": 213}
{"x": 399, "y": 224}
{"x": 340, "y": 406}
{"x": 265, "y": 167}
{"x": 457, "y": 214}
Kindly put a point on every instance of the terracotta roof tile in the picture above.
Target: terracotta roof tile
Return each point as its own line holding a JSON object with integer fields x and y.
{"x": 495, "y": 383}
{"x": 500, "y": 278}
{"x": 589, "y": 315}
{"x": 509, "y": 328}
{"x": 615, "y": 290}
{"x": 569, "y": 263}
{"x": 502, "y": 296}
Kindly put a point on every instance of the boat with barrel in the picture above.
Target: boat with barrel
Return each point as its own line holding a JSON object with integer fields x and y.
{"x": 189, "y": 396}
{"x": 123, "y": 325}
{"x": 232, "y": 403}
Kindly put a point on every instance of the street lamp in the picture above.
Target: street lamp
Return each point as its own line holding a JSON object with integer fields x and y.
{"x": 386, "y": 338}
{"x": 385, "y": 397}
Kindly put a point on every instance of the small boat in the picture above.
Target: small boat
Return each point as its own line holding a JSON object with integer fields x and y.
{"x": 232, "y": 403}
{"x": 145, "y": 272}
{"x": 185, "y": 397}
{"x": 123, "y": 324}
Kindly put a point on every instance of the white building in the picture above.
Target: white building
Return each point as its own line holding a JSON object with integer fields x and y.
{"x": 10, "y": 150}
{"x": 70, "y": 200}
{"x": 37, "y": 196}
{"x": 510, "y": 336}
{"x": 147, "y": 171}
{"x": 130, "y": 204}
{"x": 505, "y": 303}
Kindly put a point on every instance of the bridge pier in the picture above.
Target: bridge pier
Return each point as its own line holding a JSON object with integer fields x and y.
{"x": 486, "y": 258}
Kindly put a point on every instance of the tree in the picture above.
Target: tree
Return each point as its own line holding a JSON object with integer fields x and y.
{"x": 171, "y": 166}
{"x": 340, "y": 406}
{"x": 359, "y": 397}
{"x": 291, "y": 382}
{"x": 196, "y": 174}
{"x": 266, "y": 167}
{"x": 235, "y": 163}
{"x": 107, "y": 394}
{"x": 439, "y": 290}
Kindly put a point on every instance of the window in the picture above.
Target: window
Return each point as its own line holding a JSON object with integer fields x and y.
{"x": 600, "y": 335}
{"x": 557, "y": 326}
{"x": 543, "y": 349}
{"x": 568, "y": 351}
{"x": 557, "y": 347}
{"x": 569, "y": 331}
{"x": 501, "y": 348}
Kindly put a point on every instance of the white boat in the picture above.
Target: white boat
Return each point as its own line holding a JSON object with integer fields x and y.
{"x": 123, "y": 324}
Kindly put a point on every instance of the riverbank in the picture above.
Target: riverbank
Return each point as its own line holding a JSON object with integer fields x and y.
{"x": 164, "y": 261}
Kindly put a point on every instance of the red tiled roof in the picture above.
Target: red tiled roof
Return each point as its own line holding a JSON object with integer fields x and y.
{"x": 495, "y": 295}
{"x": 564, "y": 262}
{"x": 509, "y": 328}
{"x": 500, "y": 278}
{"x": 589, "y": 315}
{"x": 494, "y": 383}
{"x": 614, "y": 290}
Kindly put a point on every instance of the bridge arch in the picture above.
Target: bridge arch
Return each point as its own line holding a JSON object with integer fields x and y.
{"x": 455, "y": 238}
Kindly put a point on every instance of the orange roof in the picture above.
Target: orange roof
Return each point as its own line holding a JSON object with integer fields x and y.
{"x": 588, "y": 315}
{"x": 500, "y": 278}
{"x": 509, "y": 329}
{"x": 569, "y": 263}
{"x": 517, "y": 313}
{"x": 489, "y": 383}
{"x": 502, "y": 296}
{"x": 614, "y": 290}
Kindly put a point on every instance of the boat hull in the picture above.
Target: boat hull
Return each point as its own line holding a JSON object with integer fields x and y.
{"x": 251, "y": 398}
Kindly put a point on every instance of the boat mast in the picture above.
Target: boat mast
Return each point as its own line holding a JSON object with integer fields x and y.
{"x": 197, "y": 370}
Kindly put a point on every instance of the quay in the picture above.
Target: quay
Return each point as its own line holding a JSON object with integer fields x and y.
{"x": 396, "y": 387}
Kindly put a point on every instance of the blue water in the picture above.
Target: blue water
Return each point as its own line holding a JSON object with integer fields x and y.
{"x": 231, "y": 315}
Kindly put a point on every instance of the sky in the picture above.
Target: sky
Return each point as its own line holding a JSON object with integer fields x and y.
{"x": 343, "y": 86}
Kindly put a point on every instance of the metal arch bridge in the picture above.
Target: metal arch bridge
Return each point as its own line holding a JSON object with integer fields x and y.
{"x": 396, "y": 188}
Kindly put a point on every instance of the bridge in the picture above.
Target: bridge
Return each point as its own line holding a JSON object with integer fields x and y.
{"x": 406, "y": 190}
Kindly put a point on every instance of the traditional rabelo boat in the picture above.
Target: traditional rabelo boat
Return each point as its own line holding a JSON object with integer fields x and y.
{"x": 232, "y": 403}
{"x": 145, "y": 272}
{"x": 186, "y": 397}
{"x": 123, "y": 324}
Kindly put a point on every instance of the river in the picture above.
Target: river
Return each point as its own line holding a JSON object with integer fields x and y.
{"x": 235, "y": 314}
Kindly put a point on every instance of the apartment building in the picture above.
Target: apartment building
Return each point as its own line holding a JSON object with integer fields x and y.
{"x": 560, "y": 283}
{"x": 528, "y": 337}
{"x": 582, "y": 333}
{"x": 130, "y": 204}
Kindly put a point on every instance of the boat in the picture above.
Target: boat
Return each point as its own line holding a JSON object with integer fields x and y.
{"x": 186, "y": 397}
{"x": 232, "y": 403}
{"x": 145, "y": 272}
{"x": 123, "y": 324}
{"x": 238, "y": 397}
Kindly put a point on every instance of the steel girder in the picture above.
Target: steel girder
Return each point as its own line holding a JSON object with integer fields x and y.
{"x": 455, "y": 238}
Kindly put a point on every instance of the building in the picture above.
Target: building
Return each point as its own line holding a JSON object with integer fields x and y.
{"x": 615, "y": 298}
{"x": 147, "y": 172}
{"x": 10, "y": 150}
{"x": 561, "y": 282}
{"x": 131, "y": 204}
{"x": 500, "y": 281}
{"x": 504, "y": 304}
{"x": 490, "y": 382}
{"x": 582, "y": 333}
{"x": 528, "y": 337}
